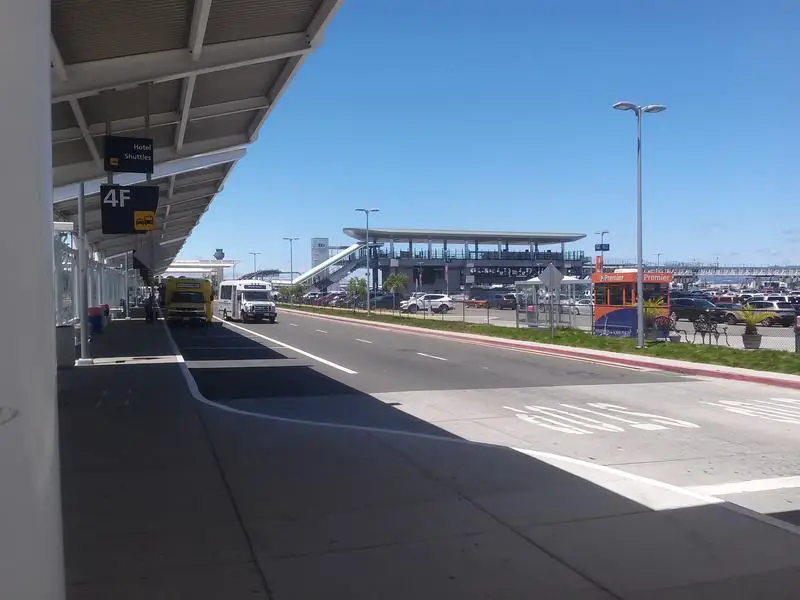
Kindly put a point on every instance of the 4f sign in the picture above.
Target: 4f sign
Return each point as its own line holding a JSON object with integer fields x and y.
{"x": 117, "y": 196}
{"x": 128, "y": 209}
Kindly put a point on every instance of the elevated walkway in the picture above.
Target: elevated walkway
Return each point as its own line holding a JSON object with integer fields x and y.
{"x": 336, "y": 268}
{"x": 170, "y": 495}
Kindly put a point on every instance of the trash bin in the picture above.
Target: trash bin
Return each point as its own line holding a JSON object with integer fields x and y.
{"x": 65, "y": 346}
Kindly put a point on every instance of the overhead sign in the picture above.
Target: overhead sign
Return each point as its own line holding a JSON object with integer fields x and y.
{"x": 126, "y": 209}
{"x": 128, "y": 154}
{"x": 551, "y": 277}
{"x": 602, "y": 247}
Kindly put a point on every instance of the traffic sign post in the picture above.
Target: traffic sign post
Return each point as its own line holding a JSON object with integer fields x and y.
{"x": 127, "y": 209}
{"x": 551, "y": 278}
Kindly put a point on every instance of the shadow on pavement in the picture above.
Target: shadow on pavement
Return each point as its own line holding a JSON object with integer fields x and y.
{"x": 165, "y": 498}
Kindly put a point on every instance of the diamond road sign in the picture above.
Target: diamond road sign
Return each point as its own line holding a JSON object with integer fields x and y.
{"x": 551, "y": 277}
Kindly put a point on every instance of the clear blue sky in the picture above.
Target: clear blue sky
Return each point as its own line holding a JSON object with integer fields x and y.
{"x": 473, "y": 114}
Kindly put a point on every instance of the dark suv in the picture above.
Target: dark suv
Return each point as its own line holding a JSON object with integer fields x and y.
{"x": 694, "y": 309}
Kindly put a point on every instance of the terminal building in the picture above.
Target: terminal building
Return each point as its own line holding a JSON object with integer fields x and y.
{"x": 448, "y": 260}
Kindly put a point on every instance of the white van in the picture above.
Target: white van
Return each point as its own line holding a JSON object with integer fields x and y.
{"x": 246, "y": 300}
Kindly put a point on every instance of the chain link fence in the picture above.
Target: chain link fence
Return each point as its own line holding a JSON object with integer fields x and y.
{"x": 570, "y": 307}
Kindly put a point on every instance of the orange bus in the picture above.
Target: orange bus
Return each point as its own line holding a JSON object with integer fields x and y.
{"x": 615, "y": 300}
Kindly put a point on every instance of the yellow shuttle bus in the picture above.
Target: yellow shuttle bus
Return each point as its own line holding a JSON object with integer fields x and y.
{"x": 188, "y": 300}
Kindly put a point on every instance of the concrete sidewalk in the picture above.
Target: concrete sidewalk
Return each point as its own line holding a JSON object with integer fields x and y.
{"x": 167, "y": 497}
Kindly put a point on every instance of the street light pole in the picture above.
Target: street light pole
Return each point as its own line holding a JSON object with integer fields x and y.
{"x": 639, "y": 111}
{"x": 254, "y": 261}
{"x": 658, "y": 259}
{"x": 366, "y": 212}
{"x": 291, "y": 241}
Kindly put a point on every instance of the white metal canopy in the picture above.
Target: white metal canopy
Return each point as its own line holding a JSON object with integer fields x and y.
{"x": 207, "y": 72}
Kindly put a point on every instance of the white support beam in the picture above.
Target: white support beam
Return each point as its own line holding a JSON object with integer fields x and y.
{"x": 171, "y": 188}
{"x": 84, "y": 129}
{"x": 186, "y": 102}
{"x": 59, "y": 69}
{"x": 197, "y": 30}
{"x": 176, "y": 167}
{"x": 173, "y": 240}
{"x": 90, "y": 78}
{"x": 197, "y": 151}
{"x": 197, "y": 113}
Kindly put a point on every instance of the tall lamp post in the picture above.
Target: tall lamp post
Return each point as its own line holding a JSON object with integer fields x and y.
{"x": 254, "y": 261}
{"x": 639, "y": 111}
{"x": 658, "y": 259}
{"x": 291, "y": 241}
{"x": 366, "y": 212}
{"x": 602, "y": 235}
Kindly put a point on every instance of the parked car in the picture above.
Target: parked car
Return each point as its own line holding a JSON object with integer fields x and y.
{"x": 501, "y": 301}
{"x": 694, "y": 309}
{"x": 584, "y": 306}
{"x": 388, "y": 301}
{"x": 780, "y": 313}
{"x": 733, "y": 312}
{"x": 437, "y": 303}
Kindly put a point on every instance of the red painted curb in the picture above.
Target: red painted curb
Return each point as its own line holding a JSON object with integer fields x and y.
{"x": 567, "y": 352}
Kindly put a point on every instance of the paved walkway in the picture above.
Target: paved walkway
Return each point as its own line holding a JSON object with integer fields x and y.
{"x": 168, "y": 498}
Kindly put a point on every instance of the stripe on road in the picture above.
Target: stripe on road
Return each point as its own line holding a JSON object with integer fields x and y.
{"x": 746, "y": 487}
{"x": 431, "y": 356}
{"x": 320, "y": 331}
{"x": 292, "y": 348}
{"x": 363, "y": 341}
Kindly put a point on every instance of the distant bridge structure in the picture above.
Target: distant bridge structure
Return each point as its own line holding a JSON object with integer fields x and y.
{"x": 689, "y": 269}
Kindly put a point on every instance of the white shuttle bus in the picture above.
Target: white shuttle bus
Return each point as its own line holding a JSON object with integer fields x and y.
{"x": 246, "y": 300}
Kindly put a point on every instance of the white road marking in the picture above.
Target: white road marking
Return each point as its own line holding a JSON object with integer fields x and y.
{"x": 431, "y": 356}
{"x": 744, "y": 487}
{"x": 294, "y": 349}
{"x": 575, "y": 423}
{"x": 779, "y": 410}
{"x": 320, "y": 331}
{"x": 293, "y": 325}
{"x": 363, "y": 341}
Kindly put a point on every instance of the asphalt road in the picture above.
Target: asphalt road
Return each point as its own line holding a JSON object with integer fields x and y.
{"x": 729, "y": 439}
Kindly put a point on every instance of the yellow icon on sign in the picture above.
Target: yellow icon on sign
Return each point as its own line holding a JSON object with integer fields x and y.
{"x": 144, "y": 220}
{"x": 114, "y": 161}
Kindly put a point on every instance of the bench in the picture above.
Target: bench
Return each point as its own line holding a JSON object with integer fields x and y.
{"x": 709, "y": 328}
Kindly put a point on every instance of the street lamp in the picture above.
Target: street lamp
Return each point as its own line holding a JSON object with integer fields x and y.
{"x": 658, "y": 259}
{"x": 254, "y": 261}
{"x": 602, "y": 235}
{"x": 291, "y": 241}
{"x": 366, "y": 212}
{"x": 639, "y": 111}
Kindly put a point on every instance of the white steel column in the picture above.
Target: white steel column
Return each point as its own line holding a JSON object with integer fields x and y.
{"x": 31, "y": 562}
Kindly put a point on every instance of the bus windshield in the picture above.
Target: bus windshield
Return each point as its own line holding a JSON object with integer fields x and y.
{"x": 187, "y": 297}
{"x": 256, "y": 296}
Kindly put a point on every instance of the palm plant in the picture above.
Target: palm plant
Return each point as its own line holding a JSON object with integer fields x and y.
{"x": 653, "y": 309}
{"x": 752, "y": 318}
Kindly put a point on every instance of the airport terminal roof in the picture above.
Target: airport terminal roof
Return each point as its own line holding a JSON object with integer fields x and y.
{"x": 208, "y": 73}
{"x": 384, "y": 234}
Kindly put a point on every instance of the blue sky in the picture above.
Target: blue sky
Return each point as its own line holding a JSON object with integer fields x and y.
{"x": 469, "y": 114}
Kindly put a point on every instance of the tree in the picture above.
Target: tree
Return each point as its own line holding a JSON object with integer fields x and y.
{"x": 396, "y": 282}
{"x": 357, "y": 288}
{"x": 295, "y": 291}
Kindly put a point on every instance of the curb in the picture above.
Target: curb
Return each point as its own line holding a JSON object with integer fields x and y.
{"x": 600, "y": 356}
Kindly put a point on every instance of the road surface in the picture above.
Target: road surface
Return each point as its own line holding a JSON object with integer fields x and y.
{"x": 734, "y": 440}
